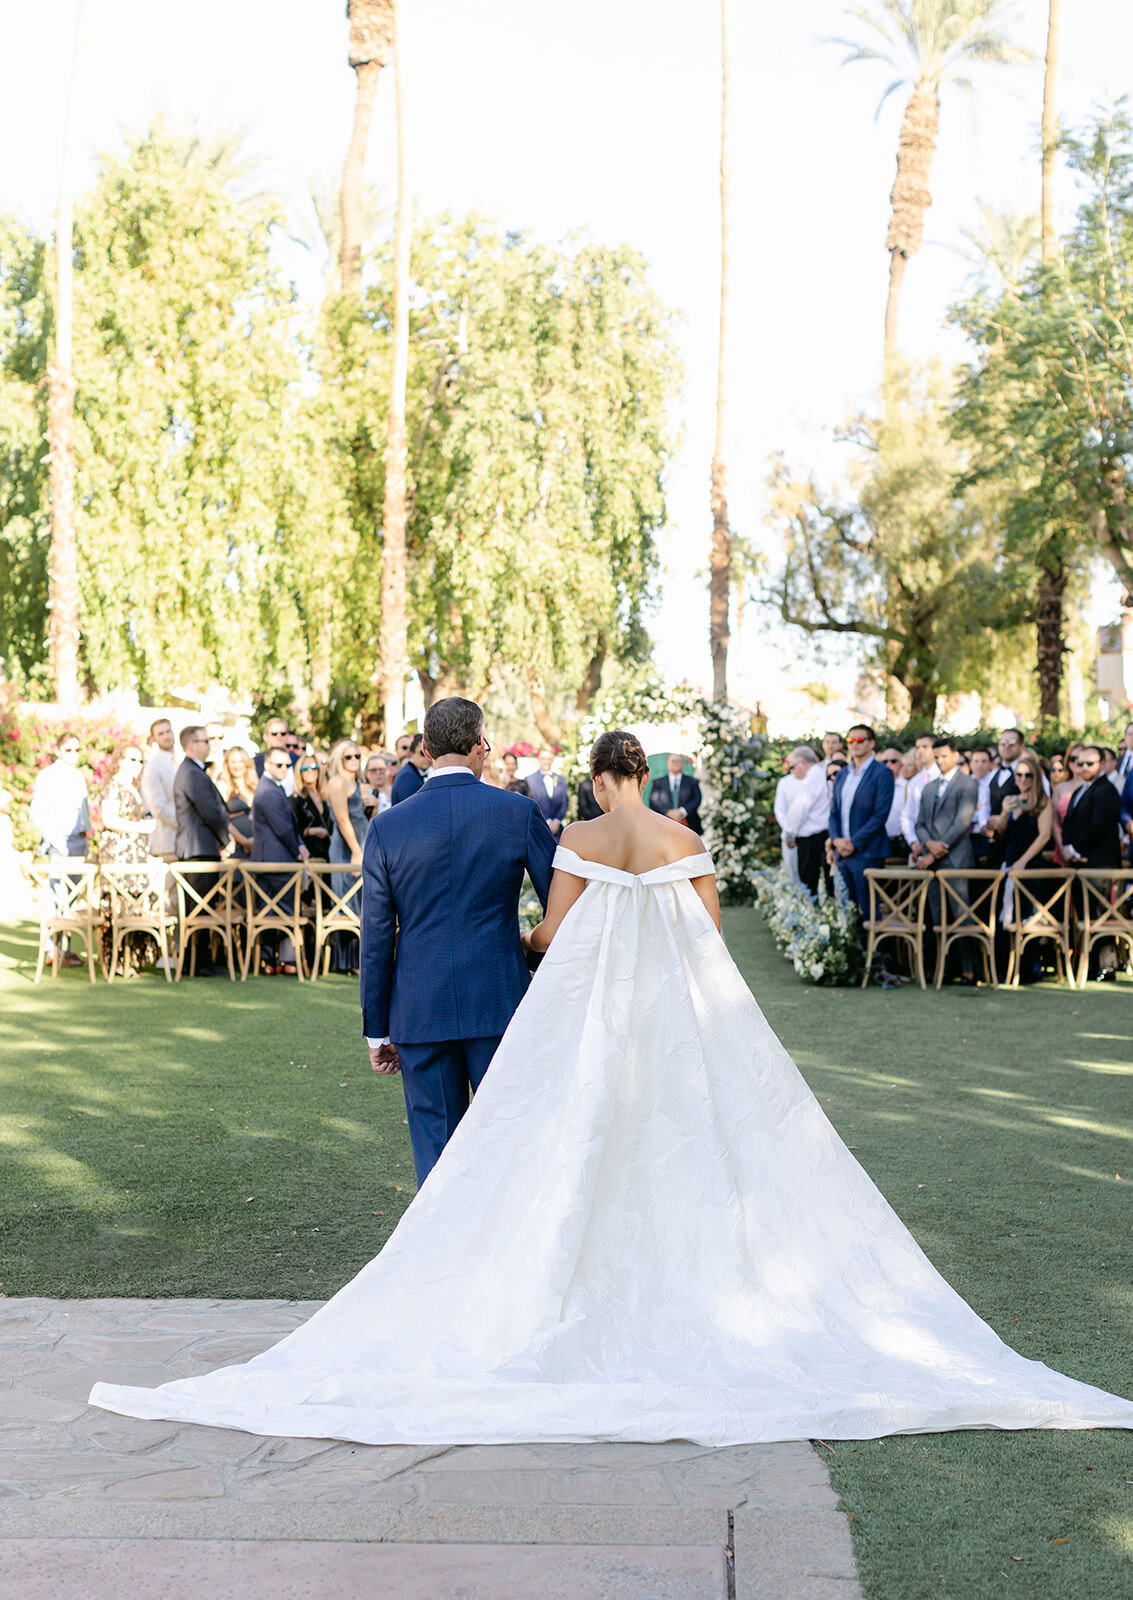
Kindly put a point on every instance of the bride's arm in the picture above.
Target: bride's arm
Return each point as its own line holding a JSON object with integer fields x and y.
{"x": 706, "y": 889}
{"x": 565, "y": 890}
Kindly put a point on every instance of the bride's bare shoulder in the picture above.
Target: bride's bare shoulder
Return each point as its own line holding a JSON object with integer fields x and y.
{"x": 652, "y": 841}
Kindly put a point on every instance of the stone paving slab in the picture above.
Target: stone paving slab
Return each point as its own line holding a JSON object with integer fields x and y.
{"x": 183, "y": 1569}
{"x": 70, "y": 1473}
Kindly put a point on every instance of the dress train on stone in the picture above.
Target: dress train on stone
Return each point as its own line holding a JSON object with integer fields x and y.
{"x": 645, "y": 1228}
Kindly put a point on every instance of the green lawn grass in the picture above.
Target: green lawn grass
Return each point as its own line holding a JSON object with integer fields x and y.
{"x": 230, "y": 1140}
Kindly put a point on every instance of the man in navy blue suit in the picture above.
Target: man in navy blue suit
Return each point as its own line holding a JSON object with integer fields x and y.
{"x": 859, "y": 809}
{"x": 443, "y": 968}
{"x": 275, "y": 836}
{"x": 549, "y": 791}
{"x": 411, "y": 775}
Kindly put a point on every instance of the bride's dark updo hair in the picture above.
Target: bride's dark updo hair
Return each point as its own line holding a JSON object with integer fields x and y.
{"x": 621, "y": 754}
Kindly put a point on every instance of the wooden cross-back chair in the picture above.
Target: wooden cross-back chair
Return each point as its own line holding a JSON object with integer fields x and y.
{"x": 204, "y": 891}
{"x": 896, "y": 911}
{"x": 138, "y": 904}
{"x": 969, "y": 909}
{"x": 67, "y": 891}
{"x": 334, "y": 913}
{"x": 1041, "y": 910}
{"x": 265, "y": 910}
{"x": 1104, "y": 911}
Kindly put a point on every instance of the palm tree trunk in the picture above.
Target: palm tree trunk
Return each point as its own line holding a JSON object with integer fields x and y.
{"x": 720, "y": 567}
{"x": 394, "y": 644}
{"x": 910, "y": 196}
{"x": 1049, "y": 639}
{"x": 63, "y": 576}
{"x": 371, "y": 42}
{"x": 350, "y": 256}
{"x": 1050, "y": 129}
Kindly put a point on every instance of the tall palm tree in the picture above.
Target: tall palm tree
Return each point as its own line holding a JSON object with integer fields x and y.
{"x": 720, "y": 566}
{"x": 394, "y": 645}
{"x": 1050, "y": 127}
{"x": 927, "y": 43}
{"x": 63, "y": 577}
{"x": 371, "y": 44}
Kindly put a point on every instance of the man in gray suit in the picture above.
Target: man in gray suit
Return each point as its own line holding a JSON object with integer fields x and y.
{"x": 944, "y": 827}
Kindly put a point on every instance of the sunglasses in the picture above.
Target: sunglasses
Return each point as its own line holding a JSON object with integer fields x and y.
{"x": 309, "y": 766}
{"x": 352, "y": 758}
{"x": 862, "y": 740}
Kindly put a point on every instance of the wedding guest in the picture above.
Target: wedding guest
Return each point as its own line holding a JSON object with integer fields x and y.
{"x": 788, "y": 850}
{"x": 514, "y": 782}
{"x": 411, "y": 776}
{"x": 980, "y": 765}
{"x": 833, "y": 768}
{"x": 124, "y": 841}
{"x": 944, "y": 814}
{"x": 344, "y": 795}
{"x": 833, "y": 745}
{"x": 1110, "y": 766}
{"x": 807, "y": 816}
{"x": 549, "y": 791}
{"x": 401, "y": 748}
{"x": 157, "y": 790}
{"x": 275, "y": 738}
{"x": 1125, "y": 755}
{"x": 1127, "y": 814}
{"x": 891, "y": 758}
{"x": 60, "y": 810}
{"x": 927, "y": 772}
{"x": 588, "y": 807}
{"x": 1011, "y": 746}
{"x": 203, "y": 830}
{"x": 677, "y": 795}
{"x": 1061, "y": 791}
{"x": 863, "y": 794}
{"x": 1091, "y": 837}
{"x": 237, "y": 783}
{"x": 276, "y": 838}
{"x": 294, "y": 746}
{"x": 313, "y": 816}
{"x": 376, "y": 784}
{"x": 1025, "y": 822}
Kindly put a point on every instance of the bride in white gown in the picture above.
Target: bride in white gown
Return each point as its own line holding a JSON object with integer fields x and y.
{"x": 644, "y": 1228}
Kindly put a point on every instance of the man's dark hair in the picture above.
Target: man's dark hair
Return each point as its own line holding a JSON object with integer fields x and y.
{"x": 452, "y": 727}
{"x": 187, "y": 734}
{"x": 158, "y": 722}
{"x": 1096, "y": 748}
{"x": 982, "y": 750}
{"x": 1108, "y": 754}
{"x": 945, "y": 743}
{"x": 415, "y": 743}
{"x": 862, "y": 727}
{"x": 1018, "y": 732}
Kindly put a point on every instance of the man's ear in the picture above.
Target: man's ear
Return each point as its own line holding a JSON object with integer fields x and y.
{"x": 425, "y": 751}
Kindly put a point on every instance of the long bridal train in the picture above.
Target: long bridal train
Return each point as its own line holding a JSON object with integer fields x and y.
{"x": 644, "y": 1229}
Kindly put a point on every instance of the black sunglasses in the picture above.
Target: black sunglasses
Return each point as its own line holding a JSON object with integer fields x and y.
{"x": 352, "y": 758}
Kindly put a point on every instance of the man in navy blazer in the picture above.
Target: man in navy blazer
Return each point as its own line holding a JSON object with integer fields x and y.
{"x": 549, "y": 792}
{"x": 859, "y": 810}
{"x": 411, "y": 775}
{"x": 443, "y": 968}
{"x": 275, "y": 836}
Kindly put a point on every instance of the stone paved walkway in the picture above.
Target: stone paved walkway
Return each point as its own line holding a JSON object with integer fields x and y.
{"x": 99, "y": 1507}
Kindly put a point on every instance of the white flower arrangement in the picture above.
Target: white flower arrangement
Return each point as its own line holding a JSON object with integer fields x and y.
{"x": 821, "y": 938}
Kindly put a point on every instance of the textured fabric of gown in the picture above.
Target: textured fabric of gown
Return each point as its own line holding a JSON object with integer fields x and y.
{"x": 645, "y": 1229}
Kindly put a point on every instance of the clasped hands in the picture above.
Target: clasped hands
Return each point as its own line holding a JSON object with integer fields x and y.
{"x": 929, "y": 854}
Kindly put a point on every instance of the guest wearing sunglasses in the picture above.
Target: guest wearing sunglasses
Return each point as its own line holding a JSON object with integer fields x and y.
{"x": 344, "y": 792}
{"x": 411, "y": 775}
{"x": 859, "y": 810}
{"x": 313, "y": 815}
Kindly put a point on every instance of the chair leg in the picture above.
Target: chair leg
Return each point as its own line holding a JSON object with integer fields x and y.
{"x": 918, "y": 954}
{"x": 42, "y": 958}
{"x": 116, "y": 936}
{"x": 871, "y": 946}
{"x": 941, "y": 953}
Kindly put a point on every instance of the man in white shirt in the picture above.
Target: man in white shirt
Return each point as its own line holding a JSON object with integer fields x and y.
{"x": 787, "y": 848}
{"x": 806, "y": 816}
{"x": 927, "y": 772}
{"x": 980, "y": 760}
{"x": 60, "y": 809}
{"x": 892, "y": 759}
{"x": 157, "y": 790}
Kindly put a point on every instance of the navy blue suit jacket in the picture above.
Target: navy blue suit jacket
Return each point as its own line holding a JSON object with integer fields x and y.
{"x": 407, "y": 780}
{"x": 868, "y": 811}
{"x": 1127, "y": 807}
{"x": 441, "y": 879}
{"x": 552, "y": 806}
{"x": 274, "y": 834}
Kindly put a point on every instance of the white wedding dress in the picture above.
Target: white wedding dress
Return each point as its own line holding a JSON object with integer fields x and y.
{"x": 644, "y": 1229}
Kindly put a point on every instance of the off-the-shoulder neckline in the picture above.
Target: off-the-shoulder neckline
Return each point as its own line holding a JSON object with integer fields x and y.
{"x": 696, "y": 855}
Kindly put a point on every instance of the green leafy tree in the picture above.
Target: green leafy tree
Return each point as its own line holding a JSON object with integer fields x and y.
{"x": 904, "y": 561}
{"x": 1046, "y": 407}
